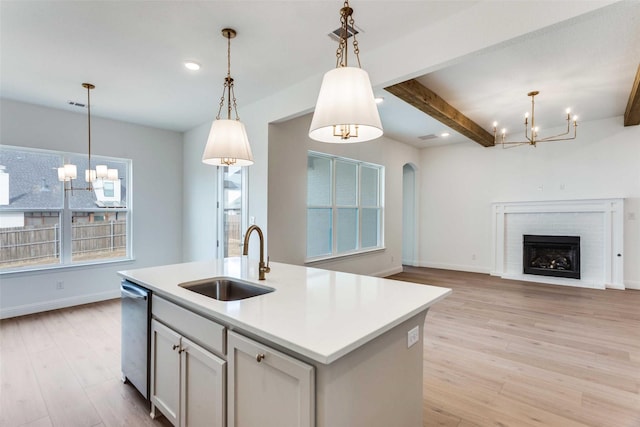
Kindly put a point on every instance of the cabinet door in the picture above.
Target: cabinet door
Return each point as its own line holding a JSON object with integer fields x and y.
{"x": 267, "y": 388}
{"x": 165, "y": 371}
{"x": 202, "y": 401}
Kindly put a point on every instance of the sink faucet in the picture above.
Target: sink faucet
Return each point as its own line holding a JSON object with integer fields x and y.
{"x": 262, "y": 267}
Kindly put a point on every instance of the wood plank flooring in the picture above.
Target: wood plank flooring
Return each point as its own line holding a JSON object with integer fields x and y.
{"x": 508, "y": 353}
{"x": 497, "y": 353}
{"x": 62, "y": 368}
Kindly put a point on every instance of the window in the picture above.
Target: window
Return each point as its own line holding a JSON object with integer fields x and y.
{"x": 344, "y": 206}
{"x": 232, "y": 200}
{"x": 43, "y": 226}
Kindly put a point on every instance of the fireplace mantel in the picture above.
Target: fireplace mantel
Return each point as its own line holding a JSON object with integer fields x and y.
{"x": 598, "y": 222}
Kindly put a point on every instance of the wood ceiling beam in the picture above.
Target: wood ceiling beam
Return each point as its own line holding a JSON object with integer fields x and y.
{"x": 427, "y": 101}
{"x": 632, "y": 113}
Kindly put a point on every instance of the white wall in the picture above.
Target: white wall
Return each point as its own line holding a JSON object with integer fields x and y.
{"x": 287, "y": 183}
{"x": 157, "y": 201}
{"x": 200, "y": 194}
{"x": 459, "y": 183}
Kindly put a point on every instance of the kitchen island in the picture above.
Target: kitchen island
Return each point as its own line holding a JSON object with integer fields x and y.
{"x": 331, "y": 348}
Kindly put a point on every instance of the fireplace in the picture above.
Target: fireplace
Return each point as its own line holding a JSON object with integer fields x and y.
{"x": 557, "y": 256}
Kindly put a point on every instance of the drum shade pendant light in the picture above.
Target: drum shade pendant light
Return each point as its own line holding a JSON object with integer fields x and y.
{"x": 346, "y": 110}
{"x": 69, "y": 172}
{"x": 228, "y": 144}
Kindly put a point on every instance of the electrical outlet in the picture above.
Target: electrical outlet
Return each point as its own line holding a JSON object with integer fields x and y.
{"x": 60, "y": 285}
{"x": 413, "y": 336}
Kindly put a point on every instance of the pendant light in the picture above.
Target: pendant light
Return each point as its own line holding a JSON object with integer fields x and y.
{"x": 228, "y": 144}
{"x": 69, "y": 172}
{"x": 346, "y": 110}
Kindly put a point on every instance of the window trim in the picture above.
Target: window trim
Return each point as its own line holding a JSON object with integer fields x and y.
{"x": 359, "y": 206}
{"x": 65, "y": 213}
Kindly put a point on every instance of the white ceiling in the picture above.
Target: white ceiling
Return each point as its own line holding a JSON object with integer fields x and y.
{"x": 133, "y": 52}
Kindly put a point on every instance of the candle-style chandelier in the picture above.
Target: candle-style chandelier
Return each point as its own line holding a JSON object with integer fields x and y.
{"x": 531, "y": 131}
{"x": 68, "y": 172}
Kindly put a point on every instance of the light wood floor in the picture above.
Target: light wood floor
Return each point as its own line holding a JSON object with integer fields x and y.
{"x": 507, "y": 353}
{"x": 62, "y": 368}
{"x": 497, "y": 353}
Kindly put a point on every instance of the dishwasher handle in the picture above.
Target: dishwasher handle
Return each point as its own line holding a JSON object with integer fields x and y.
{"x": 135, "y": 292}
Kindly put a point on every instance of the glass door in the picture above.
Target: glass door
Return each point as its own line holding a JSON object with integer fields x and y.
{"x": 232, "y": 210}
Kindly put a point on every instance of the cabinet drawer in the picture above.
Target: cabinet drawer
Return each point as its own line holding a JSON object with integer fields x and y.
{"x": 203, "y": 331}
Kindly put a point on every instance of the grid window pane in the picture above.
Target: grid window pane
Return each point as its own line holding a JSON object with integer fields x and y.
{"x": 106, "y": 193}
{"x": 98, "y": 235}
{"x": 29, "y": 180}
{"x": 347, "y": 230}
{"x": 232, "y": 208}
{"x": 370, "y": 228}
{"x": 346, "y": 183}
{"x": 45, "y": 222}
{"x": 369, "y": 186}
{"x": 319, "y": 232}
{"x": 344, "y": 215}
{"x": 318, "y": 181}
{"x": 29, "y": 239}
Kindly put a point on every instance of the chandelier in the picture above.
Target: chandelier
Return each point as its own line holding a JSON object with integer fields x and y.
{"x": 68, "y": 172}
{"x": 346, "y": 110}
{"x": 531, "y": 130}
{"x": 228, "y": 143}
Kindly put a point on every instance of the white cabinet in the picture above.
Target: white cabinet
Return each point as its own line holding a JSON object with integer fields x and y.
{"x": 187, "y": 381}
{"x": 165, "y": 371}
{"x": 267, "y": 388}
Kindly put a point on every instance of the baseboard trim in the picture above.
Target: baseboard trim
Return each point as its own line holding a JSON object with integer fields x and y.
{"x": 388, "y": 272}
{"x": 467, "y": 268}
{"x": 23, "y": 310}
{"x": 632, "y": 284}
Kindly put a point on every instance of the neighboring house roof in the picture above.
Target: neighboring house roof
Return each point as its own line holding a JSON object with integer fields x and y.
{"x": 33, "y": 180}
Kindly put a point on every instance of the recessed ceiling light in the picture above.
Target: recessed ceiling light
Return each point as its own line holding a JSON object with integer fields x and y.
{"x": 445, "y": 134}
{"x": 192, "y": 65}
{"x": 379, "y": 100}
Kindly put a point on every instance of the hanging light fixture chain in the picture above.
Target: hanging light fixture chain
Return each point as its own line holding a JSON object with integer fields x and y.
{"x": 356, "y": 49}
{"x": 229, "y": 80}
{"x": 347, "y": 28}
{"x": 224, "y": 89}
{"x": 232, "y": 96}
{"x": 341, "y": 52}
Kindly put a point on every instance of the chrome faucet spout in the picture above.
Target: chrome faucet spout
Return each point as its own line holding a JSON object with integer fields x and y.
{"x": 262, "y": 267}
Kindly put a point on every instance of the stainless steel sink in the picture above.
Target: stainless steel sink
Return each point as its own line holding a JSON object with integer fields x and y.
{"x": 225, "y": 288}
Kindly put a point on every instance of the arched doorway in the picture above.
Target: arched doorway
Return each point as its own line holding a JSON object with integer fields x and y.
{"x": 409, "y": 227}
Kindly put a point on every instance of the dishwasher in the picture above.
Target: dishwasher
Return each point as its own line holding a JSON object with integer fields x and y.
{"x": 136, "y": 323}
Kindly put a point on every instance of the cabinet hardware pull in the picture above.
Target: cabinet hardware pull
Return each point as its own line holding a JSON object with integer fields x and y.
{"x": 181, "y": 350}
{"x": 176, "y": 346}
{"x": 259, "y": 357}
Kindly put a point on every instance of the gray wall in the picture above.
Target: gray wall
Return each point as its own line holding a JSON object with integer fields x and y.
{"x": 287, "y": 172}
{"x": 157, "y": 202}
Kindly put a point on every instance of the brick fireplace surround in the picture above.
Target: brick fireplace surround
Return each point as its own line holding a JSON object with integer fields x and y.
{"x": 598, "y": 222}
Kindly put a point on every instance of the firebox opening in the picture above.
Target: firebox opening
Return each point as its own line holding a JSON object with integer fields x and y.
{"x": 557, "y": 256}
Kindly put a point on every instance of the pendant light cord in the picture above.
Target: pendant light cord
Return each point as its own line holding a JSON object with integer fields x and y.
{"x": 89, "y": 122}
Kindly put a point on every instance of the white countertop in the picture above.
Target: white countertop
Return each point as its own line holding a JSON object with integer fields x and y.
{"x": 320, "y": 314}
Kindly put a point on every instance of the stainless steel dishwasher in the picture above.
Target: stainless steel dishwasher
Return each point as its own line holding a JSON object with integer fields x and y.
{"x": 136, "y": 322}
